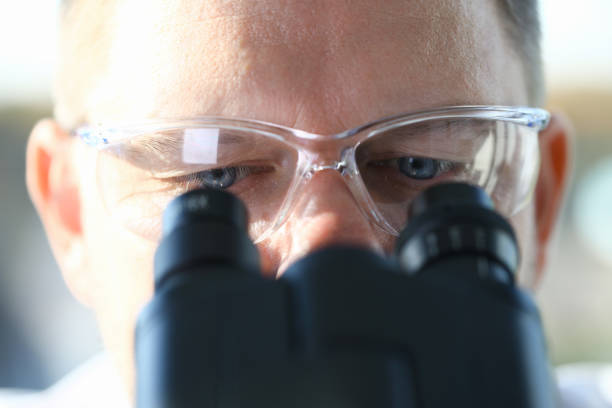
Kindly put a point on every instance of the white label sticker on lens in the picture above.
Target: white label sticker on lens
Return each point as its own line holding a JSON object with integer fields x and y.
{"x": 200, "y": 146}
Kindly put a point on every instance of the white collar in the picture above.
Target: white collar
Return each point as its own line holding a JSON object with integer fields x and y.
{"x": 94, "y": 384}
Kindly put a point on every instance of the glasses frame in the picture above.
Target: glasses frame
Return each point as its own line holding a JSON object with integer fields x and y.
{"x": 104, "y": 136}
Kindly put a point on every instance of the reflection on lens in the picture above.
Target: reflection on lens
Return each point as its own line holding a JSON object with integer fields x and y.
{"x": 398, "y": 163}
{"x": 140, "y": 177}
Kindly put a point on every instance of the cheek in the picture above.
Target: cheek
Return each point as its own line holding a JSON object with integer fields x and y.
{"x": 119, "y": 266}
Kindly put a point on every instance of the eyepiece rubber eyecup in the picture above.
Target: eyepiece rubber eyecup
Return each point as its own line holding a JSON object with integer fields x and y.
{"x": 203, "y": 205}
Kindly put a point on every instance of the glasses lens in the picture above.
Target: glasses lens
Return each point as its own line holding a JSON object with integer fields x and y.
{"x": 140, "y": 176}
{"x": 399, "y": 162}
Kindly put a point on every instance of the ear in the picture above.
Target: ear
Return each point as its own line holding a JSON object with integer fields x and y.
{"x": 555, "y": 152}
{"x": 52, "y": 183}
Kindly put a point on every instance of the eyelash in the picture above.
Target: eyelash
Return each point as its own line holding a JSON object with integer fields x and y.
{"x": 442, "y": 166}
{"x": 197, "y": 178}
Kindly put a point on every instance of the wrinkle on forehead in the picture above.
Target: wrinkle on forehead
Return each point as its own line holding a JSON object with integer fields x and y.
{"x": 289, "y": 61}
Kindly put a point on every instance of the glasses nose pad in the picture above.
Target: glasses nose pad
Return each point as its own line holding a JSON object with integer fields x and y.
{"x": 325, "y": 212}
{"x": 356, "y": 184}
{"x": 348, "y": 169}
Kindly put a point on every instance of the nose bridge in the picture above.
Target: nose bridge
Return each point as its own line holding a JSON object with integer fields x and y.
{"x": 326, "y": 208}
{"x": 324, "y": 213}
{"x": 325, "y": 181}
{"x": 322, "y": 155}
{"x": 330, "y": 175}
{"x": 327, "y": 201}
{"x": 326, "y": 176}
{"x": 337, "y": 165}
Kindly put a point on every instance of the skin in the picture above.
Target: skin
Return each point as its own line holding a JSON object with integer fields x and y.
{"x": 319, "y": 66}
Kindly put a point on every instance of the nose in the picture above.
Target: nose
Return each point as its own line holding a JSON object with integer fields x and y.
{"x": 325, "y": 213}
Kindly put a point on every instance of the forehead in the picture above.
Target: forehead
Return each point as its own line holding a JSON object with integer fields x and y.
{"x": 290, "y": 62}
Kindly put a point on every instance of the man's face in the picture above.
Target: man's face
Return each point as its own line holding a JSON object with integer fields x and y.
{"x": 321, "y": 66}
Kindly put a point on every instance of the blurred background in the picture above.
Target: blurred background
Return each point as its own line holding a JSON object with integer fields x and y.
{"x": 44, "y": 332}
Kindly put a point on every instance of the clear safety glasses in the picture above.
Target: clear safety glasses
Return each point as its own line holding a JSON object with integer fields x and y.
{"x": 385, "y": 163}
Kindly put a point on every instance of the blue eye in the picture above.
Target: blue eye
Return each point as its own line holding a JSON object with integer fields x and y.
{"x": 218, "y": 178}
{"x": 420, "y": 168}
{"x": 417, "y": 168}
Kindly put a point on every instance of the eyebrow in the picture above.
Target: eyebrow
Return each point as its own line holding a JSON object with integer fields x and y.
{"x": 150, "y": 150}
{"x": 170, "y": 142}
{"x": 455, "y": 133}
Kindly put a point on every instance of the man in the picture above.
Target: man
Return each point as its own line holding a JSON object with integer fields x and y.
{"x": 319, "y": 66}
